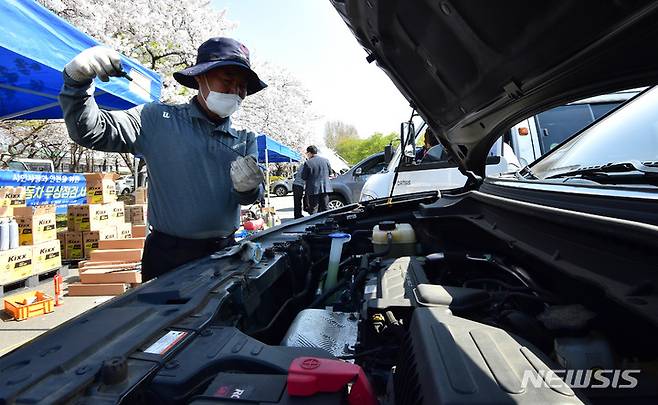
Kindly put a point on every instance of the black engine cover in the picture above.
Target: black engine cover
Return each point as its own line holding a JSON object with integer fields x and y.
{"x": 450, "y": 360}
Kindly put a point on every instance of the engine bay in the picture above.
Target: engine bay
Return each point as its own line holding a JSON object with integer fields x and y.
{"x": 367, "y": 305}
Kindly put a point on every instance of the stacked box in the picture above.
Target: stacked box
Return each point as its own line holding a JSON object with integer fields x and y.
{"x": 117, "y": 212}
{"x": 61, "y": 236}
{"x": 15, "y": 264}
{"x": 92, "y": 217}
{"x": 141, "y": 195}
{"x": 71, "y": 216}
{"x": 10, "y": 198}
{"x": 36, "y": 225}
{"x": 136, "y": 214}
{"x": 91, "y": 239}
{"x": 101, "y": 188}
{"x": 74, "y": 245}
{"x": 46, "y": 256}
{"x": 124, "y": 231}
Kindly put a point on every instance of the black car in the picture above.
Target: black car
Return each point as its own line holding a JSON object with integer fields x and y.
{"x": 533, "y": 288}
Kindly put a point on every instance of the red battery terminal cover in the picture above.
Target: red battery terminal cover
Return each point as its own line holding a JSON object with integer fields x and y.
{"x": 308, "y": 376}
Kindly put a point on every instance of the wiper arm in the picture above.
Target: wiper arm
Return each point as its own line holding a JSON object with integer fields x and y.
{"x": 525, "y": 173}
{"x": 642, "y": 168}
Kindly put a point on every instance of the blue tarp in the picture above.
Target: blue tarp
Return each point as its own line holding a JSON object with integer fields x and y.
{"x": 35, "y": 44}
{"x": 276, "y": 152}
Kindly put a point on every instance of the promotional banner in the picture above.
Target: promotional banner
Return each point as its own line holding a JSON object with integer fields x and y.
{"x": 46, "y": 187}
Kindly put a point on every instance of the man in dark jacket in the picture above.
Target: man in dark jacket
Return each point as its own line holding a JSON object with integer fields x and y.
{"x": 315, "y": 172}
{"x": 298, "y": 193}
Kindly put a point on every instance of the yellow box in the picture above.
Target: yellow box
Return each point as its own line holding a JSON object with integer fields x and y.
{"x": 46, "y": 256}
{"x": 75, "y": 248}
{"x": 15, "y": 264}
{"x": 12, "y": 196}
{"x": 91, "y": 217}
{"x": 117, "y": 212}
{"x": 61, "y": 236}
{"x": 71, "y": 215}
{"x": 101, "y": 188}
{"x": 124, "y": 231}
{"x": 36, "y": 224}
{"x": 91, "y": 238}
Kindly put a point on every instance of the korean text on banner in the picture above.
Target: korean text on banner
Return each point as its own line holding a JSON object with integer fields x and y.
{"x": 46, "y": 187}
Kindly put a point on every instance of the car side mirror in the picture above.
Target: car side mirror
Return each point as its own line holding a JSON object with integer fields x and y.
{"x": 493, "y": 160}
{"x": 358, "y": 171}
{"x": 410, "y": 151}
{"x": 388, "y": 153}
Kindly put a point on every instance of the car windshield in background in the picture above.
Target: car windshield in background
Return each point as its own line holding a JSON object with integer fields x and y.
{"x": 630, "y": 134}
{"x": 558, "y": 124}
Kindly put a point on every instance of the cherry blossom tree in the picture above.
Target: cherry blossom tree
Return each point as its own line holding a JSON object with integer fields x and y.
{"x": 283, "y": 110}
{"x": 164, "y": 35}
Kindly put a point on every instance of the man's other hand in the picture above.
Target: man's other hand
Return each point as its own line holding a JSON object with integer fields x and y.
{"x": 245, "y": 174}
{"x": 97, "y": 61}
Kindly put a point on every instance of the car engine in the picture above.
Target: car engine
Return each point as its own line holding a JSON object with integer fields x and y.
{"x": 367, "y": 305}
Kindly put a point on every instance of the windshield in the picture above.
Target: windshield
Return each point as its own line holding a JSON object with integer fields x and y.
{"x": 631, "y": 133}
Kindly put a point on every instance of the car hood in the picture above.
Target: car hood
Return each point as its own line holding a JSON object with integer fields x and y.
{"x": 473, "y": 69}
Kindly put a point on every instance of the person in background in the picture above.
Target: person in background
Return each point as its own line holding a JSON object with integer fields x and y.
{"x": 430, "y": 141}
{"x": 298, "y": 193}
{"x": 315, "y": 173}
{"x": 200, "y": 168}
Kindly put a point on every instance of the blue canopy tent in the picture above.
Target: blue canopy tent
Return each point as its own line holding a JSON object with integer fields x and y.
{"x": 35, "y": 44}
{"x": 271, "y": 151}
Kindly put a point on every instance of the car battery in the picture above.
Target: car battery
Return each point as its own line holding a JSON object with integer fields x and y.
{"x": 230, "y": 388}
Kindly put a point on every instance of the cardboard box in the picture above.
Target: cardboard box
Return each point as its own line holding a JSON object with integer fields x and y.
{"x": 136, "y": 214}
{"x": 46, "y": 256}
{"x": 124, "y": 231}
{"x": 139, "y": 231}
{"x": 131, "y": 243}
{"x": 91, "y": 238}
{"x": 36, "y": 224}
{"x": 132, "y": 255}
{"x": 101, "y": 188}
{"x": 112, "y": 266}
{"x": 15, "y": 264}
{"x": 79, "y": 289}
{"x": 100, "y": 276}
{"x": 141, "y": 195}
{"x": 10, "y": 198}
{"x": 61, "y": 237}
{"x": 92, "y": 217}
{"x": 117, "y": 212}
{"x": 71, "y": 217}
{"x": 75, "y": 248}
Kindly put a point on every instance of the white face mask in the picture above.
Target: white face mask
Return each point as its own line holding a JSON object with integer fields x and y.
{"x": 221, "y": 104}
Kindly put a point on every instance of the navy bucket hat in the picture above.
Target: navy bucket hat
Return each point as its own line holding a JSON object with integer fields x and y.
{"x": 217, "y": 52}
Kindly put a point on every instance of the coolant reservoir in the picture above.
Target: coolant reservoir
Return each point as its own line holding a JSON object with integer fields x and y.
{"x": 403, "y": 239}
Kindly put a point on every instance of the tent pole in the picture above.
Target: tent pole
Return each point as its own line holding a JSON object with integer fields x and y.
{"x": 267, "y": 175}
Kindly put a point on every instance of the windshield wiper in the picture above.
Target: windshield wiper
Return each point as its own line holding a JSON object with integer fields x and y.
{"x": 525, "y": 173}
{"x": 630, "y": 169}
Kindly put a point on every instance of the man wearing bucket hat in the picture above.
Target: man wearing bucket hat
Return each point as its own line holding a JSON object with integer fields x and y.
{"x": 200, "y": 168}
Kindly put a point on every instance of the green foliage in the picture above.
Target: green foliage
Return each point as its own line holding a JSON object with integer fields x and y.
{"x": 337, "y": 131}
{"x": 354, "y": 149}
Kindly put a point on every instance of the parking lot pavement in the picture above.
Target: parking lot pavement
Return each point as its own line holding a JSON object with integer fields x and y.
{"x": 15, "y": 333}
{"x": 284, "y": 207}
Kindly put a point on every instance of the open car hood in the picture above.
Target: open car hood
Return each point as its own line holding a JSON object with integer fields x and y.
{"x": 473, "y": 69}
